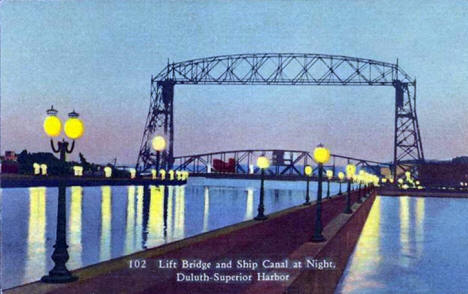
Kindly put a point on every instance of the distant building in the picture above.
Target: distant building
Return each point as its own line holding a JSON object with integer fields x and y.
{"x": 9, "y": 162}
{"x": 9, "y": 156}
{"x": 449, "y": 172}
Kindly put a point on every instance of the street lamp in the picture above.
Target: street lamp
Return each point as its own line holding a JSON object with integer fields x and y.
{"x": 263, "y": 163}
{"x": 74, "y": 129}
{"x": 308, "y": 172}
{"x": 321, "y": 156}
{"x": 159, "y": 144}
{"x": 340, "y": 177}
{"x": 350, "y": 170}
{"x": 329, "y": 177}
{"x": 400, "y": 181}
{"x": 360, "y": 178}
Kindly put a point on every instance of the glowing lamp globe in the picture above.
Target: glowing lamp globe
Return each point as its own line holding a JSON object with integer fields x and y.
{"x": 321, "y": 154}
{"x": 384, "y": 180}
{"x": 52, "y": 126}
{"x": 263, "y": 162}
{"x": 158, "y": 143}
{"x": 329, "y": 174}
{"x": 74, "y": 128}
{"x": 400, "y": 181}
{"x": 308, "y": 170}
{"x": 350, "y": 170}
{"x": 408, "y": 174}
{"x": 341, "y": 176}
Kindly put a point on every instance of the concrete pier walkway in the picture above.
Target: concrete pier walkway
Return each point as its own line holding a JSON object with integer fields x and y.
{"x": 285, "y": 235}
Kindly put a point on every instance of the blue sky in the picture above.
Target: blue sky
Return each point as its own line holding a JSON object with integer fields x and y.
{"x": 98, "y": 57}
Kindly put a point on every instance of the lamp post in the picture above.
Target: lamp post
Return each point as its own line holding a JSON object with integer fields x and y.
{"x": 74, "y": 129}
{"x": 159, "y": 144}
{"x": 308, "y": 173}
{"x": 340, "y": 177}
{"x": 400, "y": 181}
{"x": 321, "y": 156}
{"x": 329, "y": 177}
{"x": 263, "y": 163}
{"x": 350, "y": 170}
{"x": 360, "y": 178}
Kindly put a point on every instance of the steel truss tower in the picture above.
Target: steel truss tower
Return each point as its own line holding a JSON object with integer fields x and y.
{"x": 282, "y": 69}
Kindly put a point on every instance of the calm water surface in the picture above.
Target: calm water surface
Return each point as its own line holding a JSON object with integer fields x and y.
{"x": 108, "y": 222}
{"x": 411, "y": 245}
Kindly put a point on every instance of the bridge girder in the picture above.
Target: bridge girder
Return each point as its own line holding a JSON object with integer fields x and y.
{"x": 282, "y": 69}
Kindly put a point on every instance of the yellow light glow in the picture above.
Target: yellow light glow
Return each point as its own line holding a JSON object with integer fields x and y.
{"x": 162, "y": 174}
{"x": 321, "y": 154}
{"x": 37, "y": 168}
{"x": 329, "y": 174}
{"x": 108, "y": 172}
{"x": 400, "y": 181}
{"x": 408, "y": 174}
{"x": 52, "y": 126}
{"x": 391, "y": 181}
{"x": 74, "y": 128}
{"x": 384, "y": 180}
{"x": 308, "y": 170}
{"x": 158, "y": 143}
{"x": 44, "y": 169}
{"x": 106, "y": 223}
{"x": 350, "y": 170}
{"x": 341, "y": 176}
{"x": 263, "y": 162}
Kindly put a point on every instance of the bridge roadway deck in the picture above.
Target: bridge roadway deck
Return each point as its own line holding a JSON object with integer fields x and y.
{"x": 285, "y": 234}
{"x": 285, "y": 177}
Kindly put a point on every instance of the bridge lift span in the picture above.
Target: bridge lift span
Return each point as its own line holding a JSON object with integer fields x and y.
{"x": 295, "y": 69}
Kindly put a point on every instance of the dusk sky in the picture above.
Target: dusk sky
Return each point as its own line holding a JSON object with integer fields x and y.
{"x": 97, "y": 57}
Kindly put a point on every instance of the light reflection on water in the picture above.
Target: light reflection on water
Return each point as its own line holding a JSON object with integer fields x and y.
{"x": 410, "y": 245}
{"x": 110, "y": 221}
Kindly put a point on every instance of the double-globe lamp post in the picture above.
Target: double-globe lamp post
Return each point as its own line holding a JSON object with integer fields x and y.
{"x": 74, "y": 129}
{"x": 350, "y": 170}
{"x": 340, "y": 177}
{"x": 308, "y": 171}
{"x": 263, "y": 163}
{"x": 360, "y": 178}
{"x": 321, "y": 156}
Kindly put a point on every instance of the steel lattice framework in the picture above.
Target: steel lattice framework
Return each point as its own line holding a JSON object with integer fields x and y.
{"x": 291, "y": 162}
{"x": 282, "y": 69}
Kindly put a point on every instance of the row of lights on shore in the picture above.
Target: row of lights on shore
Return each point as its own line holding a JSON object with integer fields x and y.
{"x": 41, "y": 169}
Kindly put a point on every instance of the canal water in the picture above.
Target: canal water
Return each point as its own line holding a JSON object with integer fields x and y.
{"x": 411, "y": 245}
{"x": 111, "y": 221}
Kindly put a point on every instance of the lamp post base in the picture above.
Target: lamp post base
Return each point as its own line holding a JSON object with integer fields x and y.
{"x": 260, "y": 217}
{"x": 59, "y": 278}
{"x": 307, "y": 203}
{"x": 318, "y": 238}
{"x": 348, "y": 210}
